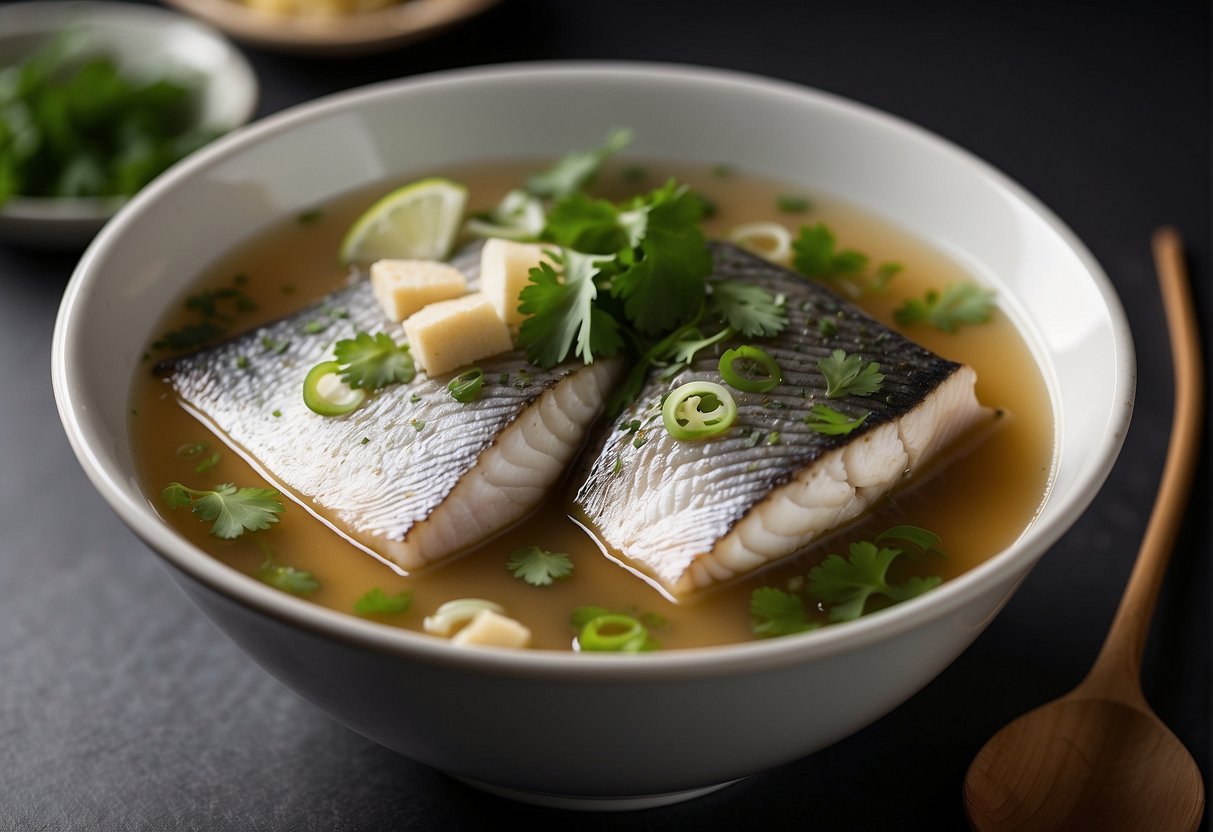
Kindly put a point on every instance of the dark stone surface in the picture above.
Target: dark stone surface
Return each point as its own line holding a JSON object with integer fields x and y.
{"x": 122, "y": 708}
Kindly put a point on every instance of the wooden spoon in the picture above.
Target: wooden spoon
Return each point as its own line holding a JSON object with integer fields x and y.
{"x": 1098, "y": 758}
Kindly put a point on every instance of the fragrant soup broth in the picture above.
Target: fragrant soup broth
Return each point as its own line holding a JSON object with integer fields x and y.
{"x": 977, "y": 502}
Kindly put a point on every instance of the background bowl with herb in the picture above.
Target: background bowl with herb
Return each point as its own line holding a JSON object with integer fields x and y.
{"x": 96, "y": 100}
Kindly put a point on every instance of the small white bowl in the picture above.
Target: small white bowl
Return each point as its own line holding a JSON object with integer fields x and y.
{"x": 616, "y": 731}
{"x": 146, "y": 42}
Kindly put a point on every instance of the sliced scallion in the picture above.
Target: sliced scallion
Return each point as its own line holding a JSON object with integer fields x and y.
{"x": 697, "y": 410}
{"x": 766, "y": 364}
{"x": 465, "y": 387}
{"x": 325, "y": 393}
{"x": 614, "y": 633}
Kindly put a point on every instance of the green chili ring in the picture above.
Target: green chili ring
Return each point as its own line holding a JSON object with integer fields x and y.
{"x": 465, "y": 387}
{"x": 750, "y": 385}
{"x": 325, "y": 393}
{"x": 631, "y": 635}
{"x": 685, "y": 421}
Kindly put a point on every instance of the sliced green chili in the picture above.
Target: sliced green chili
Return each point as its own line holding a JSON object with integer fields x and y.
{"x": 614, "y": 633}
{"x": 325, "y": 393}
{"x": 465, "y": 387}
{"x": 767, "y": 365}
{"x": 697, "y": 410}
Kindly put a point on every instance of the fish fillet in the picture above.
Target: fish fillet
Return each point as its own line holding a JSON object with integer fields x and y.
{"x": 693, "y": 515}
{"x": 413, "y": 476}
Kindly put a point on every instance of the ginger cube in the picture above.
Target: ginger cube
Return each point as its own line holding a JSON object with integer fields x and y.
{"x": 504, "y": 270}
{"x": 454, "y": 333}
{"x": 494, "y": 630}
{"x": 402, "y": 287}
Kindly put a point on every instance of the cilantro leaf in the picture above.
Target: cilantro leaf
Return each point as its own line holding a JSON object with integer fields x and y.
{"x": 663, "y": 284}
{"x": 815, "y": 254}
{"x": 374, "y": 361}
{"x": 847, "y": 375}
{"x": 826, "y": 420}
{"x": 926, "y": 542}
{"x": 563, "y": 311}
{"x": 288, "y": 578}
{"x": 779, "y": 613}
{"x": 574, "y": 170}
{"x": 539, "y": 567}
{"x": 586, "y": 225}
{"x": 846, "y": 584}
{"x": 959, "y": 303}
{"x": 231, "y": 511}
{"x": 378, "y": 602}
{"x": 749, "y": 309}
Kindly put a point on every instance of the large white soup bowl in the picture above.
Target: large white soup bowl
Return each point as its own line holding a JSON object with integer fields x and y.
{"x": 618, "y": 731}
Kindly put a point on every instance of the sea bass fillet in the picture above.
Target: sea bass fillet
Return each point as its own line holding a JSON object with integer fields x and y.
{"x": 693, "y": 514}
{"x": 413, "y": 476}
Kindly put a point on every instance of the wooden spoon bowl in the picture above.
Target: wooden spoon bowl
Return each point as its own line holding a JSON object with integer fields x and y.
{"x": 1098, "y": 758}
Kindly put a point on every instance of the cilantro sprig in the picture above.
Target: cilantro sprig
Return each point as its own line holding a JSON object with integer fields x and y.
{"x": 958, "y": 304}
{"x": 286, "y": 578}
{"x": 846, "y": 584}
{"x": 816, "y": 255}
{"x": 638, "y": 268}
{"x": 231, "y": 511}
{"x": 371, "y": 362}
{"x": 826, "y": 420}
{"x": 576, "y": 169}
{"x": 842, "y": 586}
{"x": 848, "y": 375}
{"x": 539, "y": 567}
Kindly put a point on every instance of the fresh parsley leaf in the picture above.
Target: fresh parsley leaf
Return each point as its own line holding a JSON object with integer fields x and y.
{"x": 847, "y": 375}
{"x": 230, "y": 510}
{"x": 778, "y": 613}
{"x": 574, "y": 170}
{"x": 562, "y": 312}
{"x": 885, "y": 272}
{"x": 208, "y": 463}
{"x": 749, "y": 309}
{"x": 378, "y": 602}
{"x": 846, "y": 584}
{"x": 663, "y": 284}
{"x": 958, "y": 304}
{"x": 188, "y": 337}
{"x": 374, "y": 361}
{"x": 539, "y": 567}
{"x": 825, "y": 419}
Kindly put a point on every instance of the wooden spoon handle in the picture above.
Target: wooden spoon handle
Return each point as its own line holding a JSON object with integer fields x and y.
{"x": 1118, "y": 668}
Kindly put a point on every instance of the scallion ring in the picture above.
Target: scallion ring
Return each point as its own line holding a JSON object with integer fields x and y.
{"x": 613, "y": 633}
{"x": 766, "y": 239}
{"x": 762, "y": 358}
{"x": 685, "y": 417}
{"x": 325, "y": 393}
{"x": 465, "y": 387}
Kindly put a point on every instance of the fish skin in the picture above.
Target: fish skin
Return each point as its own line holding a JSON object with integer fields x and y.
{"x": 434, "y": 476}
{"x": 693, "y": 515}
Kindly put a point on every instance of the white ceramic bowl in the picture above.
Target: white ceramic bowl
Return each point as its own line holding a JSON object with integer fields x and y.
{"x": 147, "y": 42}
{"x": 619, "y": 731}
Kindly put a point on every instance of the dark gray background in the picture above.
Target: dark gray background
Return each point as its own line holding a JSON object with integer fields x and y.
{"x": 121, "y": 708}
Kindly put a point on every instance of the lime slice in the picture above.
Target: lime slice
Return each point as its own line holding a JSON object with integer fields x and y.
{"x": 415, "y": 222}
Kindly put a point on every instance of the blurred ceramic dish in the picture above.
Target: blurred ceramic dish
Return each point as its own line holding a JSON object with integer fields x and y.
{"x": 322, "y": 33}
{"x": 144, "y": 40}
{"x": 617, "y": 731}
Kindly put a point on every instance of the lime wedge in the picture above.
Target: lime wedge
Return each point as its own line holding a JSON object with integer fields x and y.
{"x": 415, "y": 222}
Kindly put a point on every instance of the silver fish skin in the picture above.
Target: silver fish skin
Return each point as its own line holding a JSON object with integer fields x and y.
{"x": 413, "y": 476}
{"x": 692, "y": 515}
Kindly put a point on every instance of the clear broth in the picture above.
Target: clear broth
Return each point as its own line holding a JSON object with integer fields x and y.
{"x": 979, "y": 504}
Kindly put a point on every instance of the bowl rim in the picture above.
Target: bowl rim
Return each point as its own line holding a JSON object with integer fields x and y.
{"x": 39, "y": 16}
{"x": 1009, "y": 566}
